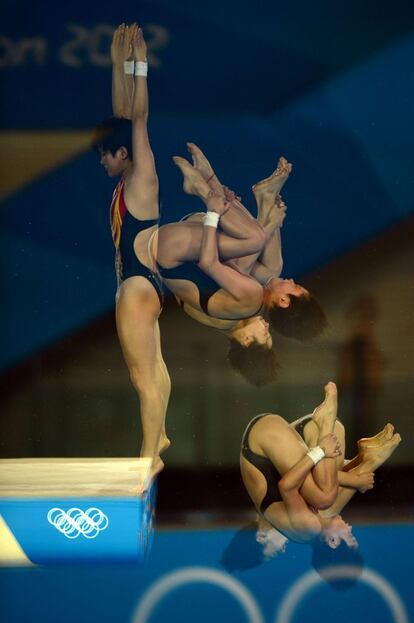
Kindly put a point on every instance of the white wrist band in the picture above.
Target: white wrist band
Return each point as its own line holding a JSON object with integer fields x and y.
{"x": 129, "y": 67}
{"x": 211, "y": 219}
{"x": 316, "y": 454}
{"x": 141, "y": 68}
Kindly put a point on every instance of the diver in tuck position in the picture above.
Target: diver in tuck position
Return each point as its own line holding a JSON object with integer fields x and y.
{"x": 231, "y": 286}
{"x": 297, "y": 477}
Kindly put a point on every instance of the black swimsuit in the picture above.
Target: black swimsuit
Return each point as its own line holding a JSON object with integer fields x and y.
{"x": 125, "y": 227}
{"x": 130, "y": 264}
{"x": 264, "y": 465}
{"x": 189, "y": 271}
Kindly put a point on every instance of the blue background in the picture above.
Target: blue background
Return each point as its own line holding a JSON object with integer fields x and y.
{"x": 112, "y": 593}
{"x": 328, "y": 86}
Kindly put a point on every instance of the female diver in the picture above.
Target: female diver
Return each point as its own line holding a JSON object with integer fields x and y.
{"x": 299, "y": 485}
{"x": 126, "y": 153}
{"x": 230, "y": 294}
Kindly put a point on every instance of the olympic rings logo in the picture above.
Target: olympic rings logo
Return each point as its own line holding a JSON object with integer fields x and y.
{"x": 76, "y": 522}
{"x": 285, "y": 611}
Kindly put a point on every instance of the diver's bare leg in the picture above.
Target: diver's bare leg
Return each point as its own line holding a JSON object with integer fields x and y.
{"x": 368, "y": 443}
{"x": 203, "y": 166}
{"x": 325, "y": 472}
{"x": 235, "y": 223}
{"x": 311, "y": 436}
{"x": 273, "y": 184}
{"x": 164, "y": 442}
{"x": 374, "y": 457}
{"x": 137, "y": 312}
{"x": 238, "y": 216}
{"x": 270, "y": 210}
{"x": 265, "y": 192}
{"x": 370, "y": 463}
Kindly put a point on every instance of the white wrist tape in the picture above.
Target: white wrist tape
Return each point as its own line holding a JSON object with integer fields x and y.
{"x": 141, "y": 68}
{"x": 129, "y": 67}
{"x": 316, "y": 454}
{"x": 211, "y": 219}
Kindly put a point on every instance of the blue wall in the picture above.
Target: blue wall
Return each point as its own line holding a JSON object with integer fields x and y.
{"x": 190, "y": 560}
{"x": 329, "y": 87}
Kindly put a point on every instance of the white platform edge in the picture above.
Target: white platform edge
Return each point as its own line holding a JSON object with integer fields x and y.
{"x": 74, "y": 477}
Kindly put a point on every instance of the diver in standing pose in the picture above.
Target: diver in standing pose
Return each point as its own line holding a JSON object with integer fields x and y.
{"x": 126, "y": 153}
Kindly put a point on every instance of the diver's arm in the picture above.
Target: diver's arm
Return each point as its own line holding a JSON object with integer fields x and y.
{"x": 143, "y": 176}
{"x": 269, "y": 263}
{"x": 241, "y": 287}
{"x": 300, "y": 515}
{"x": 294, "y": 478}
{"x": 122, "y": 83}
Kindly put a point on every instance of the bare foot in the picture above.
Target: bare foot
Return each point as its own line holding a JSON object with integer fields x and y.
{"x": 384, "y": 435}
{"x": 200, "y": 161}
{"x": 193, "y": 181}
{"x": 324, "y": 415}
{"x": 275, "y": 182}
{"x": 364, "y": 481}
{"x": 164, "y": 444}
{"x": 195, "y": 185}
{"x": 374, "y": 457}
{"x": 156, "y": 467}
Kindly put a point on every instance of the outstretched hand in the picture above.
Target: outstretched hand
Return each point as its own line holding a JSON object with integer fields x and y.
{"x": 119, "y": 53}
{"x": 139, "y": 45}
{"x": 121, "y": 47}
{"x": 331, "y": 446}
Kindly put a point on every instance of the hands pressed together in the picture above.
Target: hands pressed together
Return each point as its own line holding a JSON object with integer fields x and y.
{"x": 128, "y": 43}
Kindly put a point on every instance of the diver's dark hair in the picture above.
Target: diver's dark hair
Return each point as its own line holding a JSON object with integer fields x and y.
{"x": 325, "y": 560}
{"x": 112, "y": 134}
{"x": 256, "y": 363}
{"x": 303, "y": 320}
